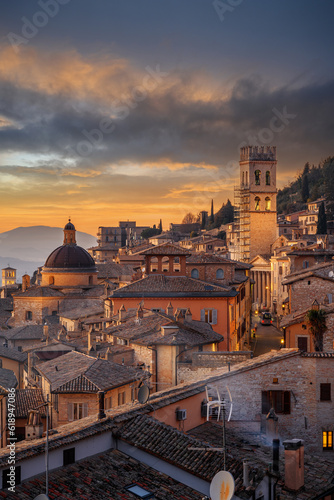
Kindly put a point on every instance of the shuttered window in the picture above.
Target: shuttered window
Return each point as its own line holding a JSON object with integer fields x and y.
{"x": 325, "y": 392}
{"x": 209, "y": 316}
{"x": 76, "y": 411}
{"x": 279, "y": 400}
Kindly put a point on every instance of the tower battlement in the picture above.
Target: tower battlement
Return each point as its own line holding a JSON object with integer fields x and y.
{"x": 263, "y": 153}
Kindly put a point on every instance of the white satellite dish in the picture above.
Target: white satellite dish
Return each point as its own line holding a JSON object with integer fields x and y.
{"x": 331, "y": 274}
{"x": 222, "y": 486}
{"x": 42, "y": 496}
{"x": 143, "y": 394}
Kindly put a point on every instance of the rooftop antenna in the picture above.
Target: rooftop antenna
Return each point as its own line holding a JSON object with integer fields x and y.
{"x": 222, "y": 485}
{"x": 43, "y": 496}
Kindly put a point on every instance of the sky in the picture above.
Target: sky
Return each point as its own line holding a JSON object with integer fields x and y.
{"x": 137, "y": 109}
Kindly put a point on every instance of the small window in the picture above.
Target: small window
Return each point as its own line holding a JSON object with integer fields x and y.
{"x": 327, "y": 440}
{"x": 209, "y": 316}
{"x": 257, "y": 174}
{"x": 220, "y": 274}
{"x": 69, "y": 456}
{"x": 28, "y": 315}
{"x": 268, "y": 203}
{"x": 195, "y": 273}
{"x": 306, "y": 264}
{"x": 257, "y": 203}
{"x": 267, "y": 178}
{"x": 121, "y": 398}
{"x": 76, "y": 411}
{"x": 279, "y": 400}
{"x": 325, "y": 392}
{"x": 108, "y": 403}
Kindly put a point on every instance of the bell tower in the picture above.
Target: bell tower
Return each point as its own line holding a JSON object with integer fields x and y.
{"x": 257, "y": 201}
{"x": 69, "y": 234}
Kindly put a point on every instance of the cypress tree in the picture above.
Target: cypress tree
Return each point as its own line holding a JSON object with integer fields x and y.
{"x": 322, "y": 220}
{"x": 212, "y": 217}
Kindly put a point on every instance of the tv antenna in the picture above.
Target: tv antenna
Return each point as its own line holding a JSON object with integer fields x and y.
{"x": 221, "y": 403}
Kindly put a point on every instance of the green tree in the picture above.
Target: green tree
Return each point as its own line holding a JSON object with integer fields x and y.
{"x": 305, "y": 189}
{"x": 221, "y": 235}
{"x": 306, "y": 168}
{"x": 316, "y": 319}
{"x": 212, "y": 216}
{"x": 149, "y": 232}
{"x": 322, "y": 220}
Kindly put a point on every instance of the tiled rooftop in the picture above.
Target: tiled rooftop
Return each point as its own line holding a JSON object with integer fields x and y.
{"x": 9, "y": 353}
{"x": 104, "y": 477}
{"x": 40, "y": 291}
{"x": 113, "y": 270}
{"x": 28, "y": 399}
{"x": 148, "y": 330}
{"x": 169, "y": 286}
{"x": 77, "y": 372}
{"x": 28, "y": 332}
{"x": 165, "y": 249}
{"x": 8, "y": 379}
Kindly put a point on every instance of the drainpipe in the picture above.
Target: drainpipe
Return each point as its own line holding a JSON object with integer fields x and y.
{"x": 156, "y": 366}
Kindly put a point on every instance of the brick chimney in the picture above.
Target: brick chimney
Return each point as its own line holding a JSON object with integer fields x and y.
{"x": 294, "y": 463}
{"x": 188, "y": 315}
{"x": 25, "y": 282}
{"x": 140, "y": 312}
{"x": 170, "y": 310}
{"x": 179, "y": 316}
{"x": 121, "y": 313}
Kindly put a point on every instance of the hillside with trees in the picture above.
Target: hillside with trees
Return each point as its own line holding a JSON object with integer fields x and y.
{"x": 312, "y": 183}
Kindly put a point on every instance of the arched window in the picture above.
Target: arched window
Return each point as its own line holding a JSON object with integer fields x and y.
{"x": 243, "y": 178}
{"x": 306, "y": 264}
{"x": 268, "y": 203}
{"x": 257, "y": 203}
{"x": 220, "y": 274}
{"x": 51, "y": 280}
{"x": 267, "y": 178}
{"x": 257, "y": 174}
{"x": 246, "y": 178}
{"x": 195, "y": 273}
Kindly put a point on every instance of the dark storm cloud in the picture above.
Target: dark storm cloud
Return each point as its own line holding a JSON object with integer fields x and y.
{"x": 170, "y": 123}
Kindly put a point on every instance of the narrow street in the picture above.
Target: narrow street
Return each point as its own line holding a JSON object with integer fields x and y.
{"x": 267, "y": 338}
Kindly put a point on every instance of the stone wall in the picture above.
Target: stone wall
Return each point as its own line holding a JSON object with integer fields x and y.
{"x": 299, "y": 375}
{"x": 205, "y": 363}
{"x": 305, "y": 291}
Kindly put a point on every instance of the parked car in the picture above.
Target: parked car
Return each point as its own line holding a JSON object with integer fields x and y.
{"x": 266, "y": 318}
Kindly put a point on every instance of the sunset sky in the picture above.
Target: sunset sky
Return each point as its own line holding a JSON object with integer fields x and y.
{"x": 136, "y": 109}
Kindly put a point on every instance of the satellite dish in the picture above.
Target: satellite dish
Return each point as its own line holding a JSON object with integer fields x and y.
{"x": 143, "y": 394}
{"x": 222, "y": 486}
{"x": 331, "y": 274}
{"x": 42, "y": 496}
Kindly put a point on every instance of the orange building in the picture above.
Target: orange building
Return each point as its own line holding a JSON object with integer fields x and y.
{"x": 165, "y": 280}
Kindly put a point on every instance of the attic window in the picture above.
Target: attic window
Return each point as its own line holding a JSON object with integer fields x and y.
{"x": 139, "y": 491}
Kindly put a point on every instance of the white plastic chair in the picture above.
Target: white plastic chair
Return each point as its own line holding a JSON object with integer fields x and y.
{"x": 213, "y": 403}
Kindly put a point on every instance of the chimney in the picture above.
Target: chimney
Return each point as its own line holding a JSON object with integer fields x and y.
{"x": 46, "y": 332}
{"x": 276, "y": 455}
{"x": 101, "y": 413}
{"x": 245, "y": 474}
{"x": 188, "y": 315}
{"x": 179, "y": 316}
{"x": 140, "y": 312}
{"x": 121, "y": 313}
{"x": 169, "y": 310}
{"x": 91, "y": 338}
{"x": 294, "y": 463}
{"x": 25, "y": 282}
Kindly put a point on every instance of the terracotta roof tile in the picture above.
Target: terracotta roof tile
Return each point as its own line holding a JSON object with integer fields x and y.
{"x": 28, "y": 399}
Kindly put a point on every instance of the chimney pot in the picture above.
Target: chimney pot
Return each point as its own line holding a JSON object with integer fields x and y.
{"x": 245, "y": 473}
{"x": 294, "y": 463}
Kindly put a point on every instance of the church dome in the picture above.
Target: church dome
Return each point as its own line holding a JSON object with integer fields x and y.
{"x": 70, "y": 256}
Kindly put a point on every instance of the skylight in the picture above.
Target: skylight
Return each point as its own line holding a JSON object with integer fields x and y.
{"x": 139, "y": 491}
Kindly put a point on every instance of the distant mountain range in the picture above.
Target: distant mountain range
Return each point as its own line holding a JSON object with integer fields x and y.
{"x": 26, "y": 248}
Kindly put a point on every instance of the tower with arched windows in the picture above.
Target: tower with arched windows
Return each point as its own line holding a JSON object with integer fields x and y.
{"x": 257, "y": 206}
